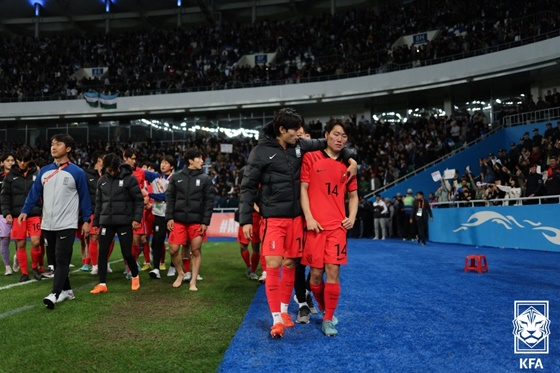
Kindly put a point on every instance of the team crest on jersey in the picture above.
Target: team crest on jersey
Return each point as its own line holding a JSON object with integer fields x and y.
{"x": 298, "y": 151}
{"x": 66, "y": 180}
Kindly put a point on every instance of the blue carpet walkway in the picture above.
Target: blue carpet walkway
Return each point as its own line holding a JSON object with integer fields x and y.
{"x": 407, "y": 308}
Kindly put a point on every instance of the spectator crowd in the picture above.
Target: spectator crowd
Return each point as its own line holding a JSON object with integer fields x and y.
{"x": 358, "y": 41}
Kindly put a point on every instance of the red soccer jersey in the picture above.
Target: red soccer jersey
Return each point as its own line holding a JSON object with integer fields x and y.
{"x": 140, "y": 176}
{"x": 327, "y": 188}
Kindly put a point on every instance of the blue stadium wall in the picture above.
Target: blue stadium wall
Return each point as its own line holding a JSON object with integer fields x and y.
{"x": 533, "y": 227}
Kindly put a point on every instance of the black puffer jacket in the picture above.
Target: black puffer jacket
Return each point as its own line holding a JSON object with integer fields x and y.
{"x": 277, "y": 171}
{"x": 190, "y": 197}
{"x": 15, "y": 187}
{"x": 118, "y": 200}
{"x": 92, "y": 180}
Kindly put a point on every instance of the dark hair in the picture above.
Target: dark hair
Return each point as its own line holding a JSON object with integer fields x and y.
{"x": 420, "y": 192}
{"x": 331, "y": 123}
{"x": 129, "y": 152}
{"x": 97, "y": 155}
{"x": 40, "y": 162}
{"x": 24, "y": 154}
{"x": 171, "y": 160}
{"x": 112, "y": 160}
{"x": 287, "y": 118}
{"x": 5, "y": 156}
{"x": 306, "y": 128}
{"x": 64, "y": 138}
{"x": 192, "y": 153}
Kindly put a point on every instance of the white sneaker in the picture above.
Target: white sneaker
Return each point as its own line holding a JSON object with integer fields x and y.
{"x": 154, "y": 273}
{"x": 16, "y": 264}
{"x": 187, "y": 276}
{"x": 50, "y": 300}
{"x": 262, "y": 279}
{"x": 253, "y": 276}
{"x": 109, "y": 270}
{"x": 94, "y": 269}
{"x": 71, "y": 265}
{"x": 66, "y": 295}
{"x": 8, "y": 271}
{"x": 171, "y": 272}
{"x": 198, "y": 278}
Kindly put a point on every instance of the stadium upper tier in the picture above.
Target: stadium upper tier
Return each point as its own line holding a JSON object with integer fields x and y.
{"x": 354, "y": 43}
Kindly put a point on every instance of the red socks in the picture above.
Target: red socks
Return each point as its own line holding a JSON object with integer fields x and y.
{"x": 146, "y": 251}
{"x": 331, "y": 294}
{"x": 187, "y": 264}
{"x": 286, "y": 284}
{"x": 273, "y": 289}
{"x": 93, "y": 251}
{"x": 22, "y": 260}
{"x": 35, "y": 256}
{"x": 318, "y": 293}
{"x": 245, "y": 256}
{"x": 254, "y": 262}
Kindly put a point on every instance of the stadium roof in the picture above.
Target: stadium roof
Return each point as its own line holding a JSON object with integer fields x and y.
{"x": 18, "y": 16}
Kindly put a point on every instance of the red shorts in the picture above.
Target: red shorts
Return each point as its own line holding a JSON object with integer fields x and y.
{"x": 92, "y": 229}
{"x": 30, "y": 227}
{"x": 282, "y": 237}
{"x": 256, "y": 238}
{"x": 149, "y": 222}
{"x": 142, "y": 228}
{"x": 183, "y": 233}
{"x": 325, "y": 247}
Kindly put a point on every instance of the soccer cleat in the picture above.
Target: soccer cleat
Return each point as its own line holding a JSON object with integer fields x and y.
{"x": 171, "y": 272}
{"x": 66, "y": 295}
{"x": 85, "y": 268}
{"x": 262, "y": 279}
{"x": 329, "y": 329}
{"x": 8, "y": 271}
{"x": 15, "y": 267}
{"x": 99, "y": 288}
{"x": 71, "y": 265}
{"x": 36, "y": 275}
{"x": 135, "y": 283}
{"x": 162, "y": 267}
{"x": 146, "y": 267}
{"x": 277, "y": 330}
{"x": 248, "y": 272}
{"x": 311, "y": 305}
{"x": 50, "y": 301}
{"x": 49, "y": 273}
{"x": 198, "y": 278}
{"x": 253, "y": 276}
{"x": 94, "y": 269}
{"x": 303, "y": 315}
{"x": 109, "y": 269}
{"x": 287, "y": 319}
{"x": 128, "y": 275}
{"x": 154, "y": 273}
{"x": 24, "y": 278}
{"x": 187, "y": 277}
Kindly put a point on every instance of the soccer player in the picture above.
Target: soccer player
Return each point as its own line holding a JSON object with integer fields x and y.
{"x": 420, "y": 211}
{"x": 63, "y": 187}
{"x": 15, "y": 189}
{"x": 251, "y": 261}
{"x": 190, "y": 203}
{"x": 93, "y": 174}
{"x": 301, "y": 286}
{"x": 130, "y": 156}
{"x": 159, "y": 187}
{"x": 119, "y": 206}
{"x": 275, "y": 165}
{"x": 322, "y": 200}
{"x": 7, "y": 160}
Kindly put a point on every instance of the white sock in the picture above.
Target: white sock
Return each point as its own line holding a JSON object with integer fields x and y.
{"x": 283, "y": 307}
{"x": 276, "y": 317}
